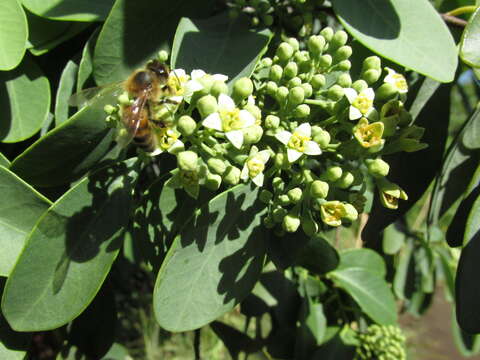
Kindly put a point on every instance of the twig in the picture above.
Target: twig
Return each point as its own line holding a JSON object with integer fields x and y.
{"x": 454, "y": 20}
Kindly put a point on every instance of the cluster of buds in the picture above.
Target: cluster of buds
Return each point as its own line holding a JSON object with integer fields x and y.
{"x": 302, "y": 130}
{"x": 382, "y": 343}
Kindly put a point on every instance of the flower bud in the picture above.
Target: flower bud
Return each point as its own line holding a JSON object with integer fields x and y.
{"x": 296, "y": 81}
{"x": 319, "y": 189}
{"x": 267, "y": 19}
{"x": 339, "y": 39}
{"x": 335, "y": 93}
{"x": 294, "y": 43}
{"x": 281, "y": 161}
{"x": 385, "y": 92}
{"x": 207, "y": 83}
{"x": 284, "y": 52}
{"x": 272, "y": 122}
{"x": 283, "y": 200}
{"x": 216, "y": 165}
{"x": 351, "y": 214}
{"x": 371, "y": 75}
{"x": 268, "y": 222}
{"x": 123, "y": 99}
{"x": 252, "y": 134}
{"x": 278, "y": 214}
{"x": 307, "y": 88}
{"x": 186, "y": 125}
{"x": 296, "y": 96}
{"x": 219, "y": 87}
{"x": 278, "y": 184}
{"x": 301, "y": 111}
{"x": 242, "y": 88}
{"x": 327, "y": 33}
{"x": 344, "y": 80}
{"x": 187, "y": 161}
{"x": 342, "y": 53}
{"x": 316, "y": 44}
{"x": 371, "y": 62}
{"x": 295, "y": 195}
{"x": 377, "y": 167}
{"x": 318, "y": 81}
{"x": 213, "y": 181}
{"x": 344, "y": 65}
{"x": 265, "y": 196}
{"x": 301, "y": 57}
{"x": 346, "y": 180}
{"x": 110, "y": 109}
{"x": 320, "y": 136}
{"x": 276, "y": 73}
{"x": 309, "y": 226}
{"x": 325, "y": 61}
{"x": 266, "y": 62}
{"x": 207, "y": 105}
{"x": 282, "y": 94}
{"x": 232, "y": 175}
{"x": 333, "y": 173}
{"x": 271, "y": 88}
{"x": 162, "y": 56}
{"x": 291, "y": 223}
{"x": 360, "y": 85}
{"x": 290, "y": 70}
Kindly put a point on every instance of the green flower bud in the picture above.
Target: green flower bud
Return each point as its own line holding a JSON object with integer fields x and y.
{"x": 351, "y": 212}
{"x": 342, "y": 53}
{"x": 252, "y": 134}
{"x": 291, "y": 223}
{"x": 325, "y": 61}
{"x": 344, "y": 80}
{"x": 163, "y": 56}
{"x": 278, "y": 184}
{"x": 316, "y": 44}
{"x": 123, "y": 99}
{"x": 377, "y": 167}
{"x": 109, "y": 109}
{"x": 295, "y": 195}
{"x": 339, "y": 39}
{"x": 266, "y": 62}
{"x": 219, "y": 87}
{"x": 360, "y": 85}
{"x": 282, "y": 94}
{"x": 309, "y": 226}
{"x": 268, "y": 222}
{"x": 318, "y": 81}
{"x": 294, "y": 43}
{"x": 333, "y": 173}
{"x": 242, "y": 88}
{"x": 344, "y": 65}
{"x": 335, "y": 93}
{"x": 284, "y": 52}
{"x": 346, "y": 180}
{"x": 290, "y": 70}
{"x": 327, "y": 33}
{"x": 281, "y": 161}
{"x": 254, "y": 110}
{"x": 307, "y": 88}
{"x": 187, "y": 161}
{"x": 301, "y": 57}
{"x": 265, "y": 196}
{"x": 296, "y": 96}
{"x": 371, "y": 75}
{"x": 276, "y": 73}
{"x": 232, "y": 175}
{"x": 385, "y": 92}
{"x": 267, "y": 19}
{"x": 216, "y": 165}
{"x": 186, "y": 125}
{"x": 296, "y": 81}
{"x": 301, "y": 111}
{"x": 320, "y": 136}
{"x": 207, "y": 105}
{"x": 371, "y": 62}
{"x": 283, "y": 200}
{"x": 254, "y": 21}
{"x": 319, "y": 189}
{"x": 278, "y": 214}
{"x": 272, "y": 122}
{"x": 207, "y": 83}
{"x": 213, "y": 181}
{"x": 271, "y": 88}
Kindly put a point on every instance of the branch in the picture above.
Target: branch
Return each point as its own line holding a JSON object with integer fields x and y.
{"x": 454, "y": 20}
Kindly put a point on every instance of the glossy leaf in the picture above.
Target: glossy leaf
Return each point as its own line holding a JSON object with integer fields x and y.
{"x": 402, "y": 31}
{"x": 470, "y": 43}
{"x": 28, "y": 103}
{"x": 77, "y": 144}
{"x": 64, "y": 91}
{"x": 20, "y": 209}
{"x": 205, "y": 44}
{"x": 4, "y": 161}
{"x": 69, "y": 252}
{"x": 75, "y": 10}
{"x": 215, "y": 261}
{"x": 13, "y": 34}
{"x": 135, "y": 31}
{"x": 365, "y": 259}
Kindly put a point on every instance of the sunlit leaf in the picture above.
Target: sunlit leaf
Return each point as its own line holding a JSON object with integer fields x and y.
{"x": 13, "y": 34}
{"x": 470, "y": 43}
{"x": 75, "y": 10}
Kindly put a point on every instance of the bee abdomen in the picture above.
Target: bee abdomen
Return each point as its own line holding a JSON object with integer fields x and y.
{"x": 145, "y": 141}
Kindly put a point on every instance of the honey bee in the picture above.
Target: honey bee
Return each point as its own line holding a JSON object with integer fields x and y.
{"x": 148, "y": 87}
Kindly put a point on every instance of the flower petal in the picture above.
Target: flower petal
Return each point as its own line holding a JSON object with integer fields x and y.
{"x": 247, "y": 118}
{"x": 244, "y": 173}
{"x": 213, "y": 121}
{"x": 263, "y": 155}
{"x": 225, "y": 102}
{"x": 258, "y": 180}
{"x": 192, "y": 86}
{"x": 283, "y": 136}
{"x": 312, "y": 148}
{"x": 180, "y": 73}
{"x": 197, "y": 74}
{"x": 220, "y": 77}
{"x": 293, "y": 155}
{"x": 354, "y": 113}
{"x": 176, "y": 147}
{"x": 305, "y": 130}
{"x": 351, "y": 94}
{"x": 369, "y": 93}
{"x": 235, "y": 137}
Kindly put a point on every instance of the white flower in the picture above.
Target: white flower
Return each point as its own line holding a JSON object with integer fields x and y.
{"x": 397, "y": 80}
{"x": 230, "y": 120}
{"x": 254, "y": 166}
{"x": 184, "y": 86}
{"x": 197, "y": 74}
{"x": 299, "y": 142}
{"x": 168, "y": 141}
{"x": 360, "y": 104}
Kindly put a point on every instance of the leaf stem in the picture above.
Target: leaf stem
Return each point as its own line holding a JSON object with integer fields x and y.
{"x": 454, "y": 20}
{"x": 462, "y": 10}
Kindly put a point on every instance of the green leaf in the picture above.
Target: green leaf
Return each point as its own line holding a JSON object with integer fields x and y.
{"x": 403, "y": 283}
{"x": 20, "y": 209}
{"x": 364, "y": 259}
{"x": 75, "y": 10}
{"x": 473, "y": 221}
{"x": 234, "y": 340}
{"x": 70, "y": 251}
{"x": 70, "y": 150}
{"x": 318, "y": 256}
{"x": 117, "y": 352}
{"x": 215, "y": 261}
{"x": 470, "y": 43}
{"x": 85, "y": 68}
{"x": 311, "y": 330}
{"x": 28, "y": 102}
{"x": 424, "y": 94}
{"x": 4, "y": 161}
{"x": 205, "y": 44}
{"x": 393, "y": 239}
{"x": 64, "y": 91}
{"x": 13, "y": 34}
{"x": 467, "y": 344}
{"x": 408, "y": 32}
{"x": 135, "y": 31}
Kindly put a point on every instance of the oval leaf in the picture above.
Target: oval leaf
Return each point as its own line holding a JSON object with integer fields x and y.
{"x": 69, "y": 252}
{"x": 13, "y": 34}
{"x": 29, "y": 102}
{"x": 64, "y": 91}
{"x": 215, "y": 261}
{"x": 364, "y": 259}
{"x": 75, "y": 10}
{"x": 408, "y": 32}
{"x": 470, "y": 43}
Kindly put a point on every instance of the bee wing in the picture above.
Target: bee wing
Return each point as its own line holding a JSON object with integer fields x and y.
{"x": 133, "y": 117}
{"x": 87, "y": 96}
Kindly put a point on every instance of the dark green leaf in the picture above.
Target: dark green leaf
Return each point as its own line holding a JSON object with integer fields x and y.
{"x": 70, "y": 251}
{"x": 75, "y": 10}
{"x": 402, "y": 31}
{"x": 20, "y": 209}
{"x": 334, "y": 348}
{"x": 473, "y": 222}
{"x": 235, "y": 341}
{"x": 64, "y": 91}
{"x": 214, "y": 261}
{"x": 13, "y": 34}
{"x": 205, "y": 44}
{"x": 85, "y": 68}
{"x": 4, "y": 161}
{"x": 470, "y": 43}
{"x": 364, "y": 259}
{"x": 311, "y": 330}
{"x": 318, "y": 256}
{"x": 467, "y": 344}
{"x": 28, "y": 94}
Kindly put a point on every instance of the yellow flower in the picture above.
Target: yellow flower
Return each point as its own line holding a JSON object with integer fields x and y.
{"x": 332, "y": 212}
{"x": 369, "y": 135}
{"x": 397, "y": 80}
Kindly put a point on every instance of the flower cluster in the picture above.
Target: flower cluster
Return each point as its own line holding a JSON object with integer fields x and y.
{"x": 382, "y": 343}
{"x": 301, "y": 128}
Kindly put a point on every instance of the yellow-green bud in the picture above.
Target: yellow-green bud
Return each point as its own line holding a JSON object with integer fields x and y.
{"x": 254, "y": 21}
{"x": 371, "y": 62}
{"x": 301, "y": 111}
{"x": 346, "y": 180}
{"x": 344, "y": 80}
{"x": 109, "y": 109}
{"x": 278, "y": 214}
{"x": 232, "y": 175}
{"x": 294, "y": 43}
{"x": 282, "y": 93}
{"x": 207, "y": 83}
{"x": 216, "y": 165}
{"x": 252, "y": 134}
{"x": 308, "y": 89}
{"x": 371, "y": 75}
{"x": 268, "y": 222}
{"x": 242, "y": 88}
{"x": 319, "y": 189}
{"x": 295, "y": 195}
{"x": 284, "y": 52}
{"x": 333, "y": 173}
{"x": 385, "y": 92}
{"x": 318, "y": 81}
{"x": 272, "y": 122}
{"x": 281, "y": 161}
{"x": 219, "y": 87}
{"x": 278, "y": 184}
{"x": 296, "y": 96}
{"x": 271, "y": 88}
{"x": 187, "y": 161}
{"x": 267, "y": 19}
{"x": 276, "y": 73}
{"x": 123, "y": 99}
{"x": 207, "y": 105}
{"x": 325, "y": 61}
{"x": 327, "y": 33}
{"x": 265, "y": 196}
{"x": 266, "y": 62}
{"x": 335, "y": 93}
{"x": 163, "y": 56}
{"x": 339, "y": 39}
{"x": 360, "y": 85}
{"x": 186, "y": 125}
{"x": 213, "y": 181}
{"x": 283, "y": 200}
{"x": 343, "y": 53}
{"x": 301, "y": 56}
{"x": 320, "y": 136}
{"x": 377, "y": 167}
{"x": 344, "y": 65}
{"x": 309, "y": 226}
{"x": 316, "y": 44}
{"x": 291, "y": 223}
{"x": 351, "y": 212}
{"x": 296, "y": 81}
{"x": 254, "y": 110}
{"x": 290, "y": 70}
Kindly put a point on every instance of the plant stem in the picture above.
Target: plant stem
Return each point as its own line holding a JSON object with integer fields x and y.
{"x": 462, "y": 10}
{"x": 454, "y": 20}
